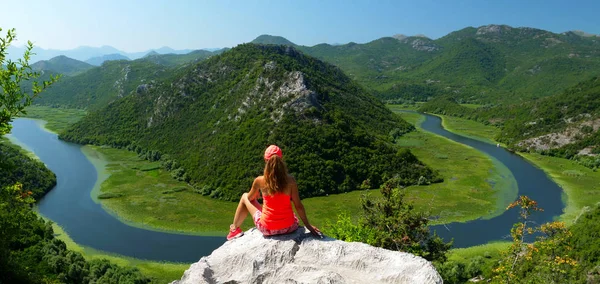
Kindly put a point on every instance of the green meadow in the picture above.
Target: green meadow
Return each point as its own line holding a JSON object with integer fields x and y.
{"x": 469, "y": 128}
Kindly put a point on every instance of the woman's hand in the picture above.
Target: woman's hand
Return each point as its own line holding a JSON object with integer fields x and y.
{"x": 315, "y": 231}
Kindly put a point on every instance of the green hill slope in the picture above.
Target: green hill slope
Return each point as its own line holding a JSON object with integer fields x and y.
{"x": 178, "y": 59}
{"x": 494, "y": 63}
{"x": 269, "y": 39}
{"x": 565, "y": 125}
{"x": 62, "y": 65}
{"x": 99, "y": 86}
{"x": 215, "y": 118}
{"x": 97, "y": 61}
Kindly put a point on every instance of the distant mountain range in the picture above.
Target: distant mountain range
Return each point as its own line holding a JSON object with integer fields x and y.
{"x": 85, "y": 53}
{"x": 485, "y": 64}
{"x": 97, "y": 61}
{"x": 63, "y": 65}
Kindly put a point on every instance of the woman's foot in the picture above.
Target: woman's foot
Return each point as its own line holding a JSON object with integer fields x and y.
{"x": 234, "y": 233}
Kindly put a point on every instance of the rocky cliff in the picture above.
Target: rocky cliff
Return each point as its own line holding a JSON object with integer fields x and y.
{"x": 301, "y": 258}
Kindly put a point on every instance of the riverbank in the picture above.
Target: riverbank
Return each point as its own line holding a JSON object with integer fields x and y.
{"x": 475, "y": 184}
{"x": 581, "y": 185}
{"x": 58, "y": 119}
{"x": 161, "y": 272}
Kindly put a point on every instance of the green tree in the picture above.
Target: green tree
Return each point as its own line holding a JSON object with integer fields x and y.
{"x": 14, "y": 98}
{"x": 392, "y": 223}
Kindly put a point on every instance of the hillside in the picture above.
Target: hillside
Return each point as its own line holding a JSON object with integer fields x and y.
{"x": 210, "y": 123}
{"x": 62, "y": 65}
{"x": 98, "y": 60}
{"x": 494, "y": 63}
{"x": 99, "y": 86}
{"x": 178, "y": 59}
{"x": 269, "y": 39}
{"x": 564, "y": 125}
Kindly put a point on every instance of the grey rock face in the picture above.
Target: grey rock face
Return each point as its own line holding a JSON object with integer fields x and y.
{"x": 301, "y": 258}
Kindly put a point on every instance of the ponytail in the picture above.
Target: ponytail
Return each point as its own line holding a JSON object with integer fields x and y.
{"x": 276, "y": 175}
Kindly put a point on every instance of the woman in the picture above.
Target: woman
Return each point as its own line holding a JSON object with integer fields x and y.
{"x": 277, "y": 187}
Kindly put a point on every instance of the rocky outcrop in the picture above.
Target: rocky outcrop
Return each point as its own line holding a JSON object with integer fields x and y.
{"x": 301, "y": 258}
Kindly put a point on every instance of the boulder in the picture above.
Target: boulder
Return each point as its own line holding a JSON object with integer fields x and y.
{"x": 301, "y": 258}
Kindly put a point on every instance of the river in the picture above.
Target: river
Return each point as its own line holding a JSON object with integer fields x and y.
{"x": 70, "y": 205}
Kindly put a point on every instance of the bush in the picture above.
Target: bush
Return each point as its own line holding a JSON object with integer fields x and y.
{"x": 110, "y": 195}
{"x": 393, "y": 224}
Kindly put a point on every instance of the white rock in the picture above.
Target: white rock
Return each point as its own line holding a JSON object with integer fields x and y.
{"x": 301, "y": 258}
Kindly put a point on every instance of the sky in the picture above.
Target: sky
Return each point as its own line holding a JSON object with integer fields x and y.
{"x": 136, "y": 25}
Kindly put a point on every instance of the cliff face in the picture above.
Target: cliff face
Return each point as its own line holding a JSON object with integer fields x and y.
{"x": 301, "y": 258}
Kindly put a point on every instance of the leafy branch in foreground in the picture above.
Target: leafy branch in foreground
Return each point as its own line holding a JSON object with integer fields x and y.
{"x": 13, "y": 99}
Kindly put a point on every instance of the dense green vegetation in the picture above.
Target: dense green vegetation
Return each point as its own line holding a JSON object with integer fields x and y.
{"x": 494, "y": 63}
{"x": 173, "y": 60}
{"x": 102, "y": 85}
{"x": 62, "y": 65}
{"x": 17, "y": 167}
{"x": 392, "y": 223}
{"x": 210, "y": 123}
{"x": 29, "y": 252}
{"x": 572, "y": 114}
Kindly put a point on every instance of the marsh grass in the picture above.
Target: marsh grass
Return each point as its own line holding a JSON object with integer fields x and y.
{"x": 58, "y": 118}
{"x": 581, "y": 185}
{"x": 475, "y": 185}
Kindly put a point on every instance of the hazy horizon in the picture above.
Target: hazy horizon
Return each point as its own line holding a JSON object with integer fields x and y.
{"x": 135, "y": 26}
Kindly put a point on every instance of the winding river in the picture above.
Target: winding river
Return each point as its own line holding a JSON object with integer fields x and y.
{"x": 70, "y": 205}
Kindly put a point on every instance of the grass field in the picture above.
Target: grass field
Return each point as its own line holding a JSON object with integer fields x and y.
{"x": 58, "y": 118}
{"x": 580, "y": 184}
{"x": 470, "y": 128}
{"x": 467, "y": 192}
{"x": 161, "y": 272}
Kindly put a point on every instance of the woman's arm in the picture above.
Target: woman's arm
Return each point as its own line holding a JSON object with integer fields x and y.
{"x": 255, "y": 189}
{"x": 300, "y": 208}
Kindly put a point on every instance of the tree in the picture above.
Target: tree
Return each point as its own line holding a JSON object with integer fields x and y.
{"x": 13, "y": 98}
{"x": 394, "y": 224}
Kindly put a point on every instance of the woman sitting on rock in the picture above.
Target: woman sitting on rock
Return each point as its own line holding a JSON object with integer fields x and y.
{"x": 277, "y": 187}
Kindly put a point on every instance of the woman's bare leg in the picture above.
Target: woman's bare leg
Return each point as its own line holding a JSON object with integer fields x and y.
{"x": 244, "y": 207}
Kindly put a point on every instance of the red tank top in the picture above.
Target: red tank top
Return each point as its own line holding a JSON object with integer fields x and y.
{"x": 277, "y": 212}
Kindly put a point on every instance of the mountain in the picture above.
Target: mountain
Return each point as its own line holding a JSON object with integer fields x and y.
{"x": 211, "y": 121}
{"x": 84, "y": 53}
{"x": 62, "y": 65}
{"x": 493, "y": 63}
{"x": 178, "y": 59}
{"x": 97, "y": 61}
{"x": 565, "y": 125}
{"x": 269, "y": 39}
{"x": 99, "y": 86}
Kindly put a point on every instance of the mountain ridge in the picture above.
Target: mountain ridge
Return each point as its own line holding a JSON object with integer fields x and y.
{"x": 63, "y": 65}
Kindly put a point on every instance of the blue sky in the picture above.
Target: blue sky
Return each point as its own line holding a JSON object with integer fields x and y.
{"x": 135, "y": 25}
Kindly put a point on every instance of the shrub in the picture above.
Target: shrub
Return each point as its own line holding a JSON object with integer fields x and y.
{"x": 109, "y": 195}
